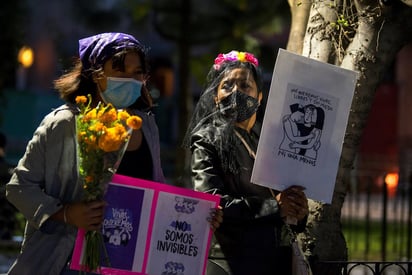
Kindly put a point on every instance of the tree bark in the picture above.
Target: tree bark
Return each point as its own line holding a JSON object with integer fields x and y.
{"x": 318, "y": 43}
{"x": 300, "y": 15}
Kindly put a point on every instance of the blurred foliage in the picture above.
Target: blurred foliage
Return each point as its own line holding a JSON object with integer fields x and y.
{"x": 99, "y": 16}
{"x": 201, "y": 30}
{"x": 367, "y": 245}
{"x": 214, "y": 19}
{"x": 140, "y": 11}
{"x": 219, "y": 25}
{"x": 12, "y": 20}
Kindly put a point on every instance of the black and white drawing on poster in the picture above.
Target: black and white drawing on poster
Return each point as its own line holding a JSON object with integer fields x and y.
{"x": 303, "y": 120}
{"x": 304, "y": 125}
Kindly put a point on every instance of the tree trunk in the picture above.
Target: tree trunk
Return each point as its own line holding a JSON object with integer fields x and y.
{"x": 318, "y": 43}
{"x": 300, "y": 15}
{"x": 379, "y": 33}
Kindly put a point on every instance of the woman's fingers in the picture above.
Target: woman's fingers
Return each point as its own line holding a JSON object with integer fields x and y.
{"x": 87, "y": 215}
{"x": 215, "y": 218}
{"x": 293, "y": 202}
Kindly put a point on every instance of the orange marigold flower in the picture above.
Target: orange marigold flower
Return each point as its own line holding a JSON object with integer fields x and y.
{"x": 90, "y": 115}
{"x": 97, "y": 127}
{"x": 81, "y": 135}
{"x": 123, "y": 115}
{"x": 81, "y": 99}
{"x": 91, "y": 142}
{"x": 92, "y": 139}
{"x": 134, "y": 122}
{"x": 88, "y": 179}
{"x": 107, "y": 116}
{"x": 110, "y": 140}
{"x": 119, "y": 132}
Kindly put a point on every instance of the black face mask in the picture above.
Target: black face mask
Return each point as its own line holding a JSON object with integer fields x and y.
{"x": 238, "y": 105}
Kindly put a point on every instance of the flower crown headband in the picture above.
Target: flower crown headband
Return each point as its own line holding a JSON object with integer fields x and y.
{"x": 234, "y": 56}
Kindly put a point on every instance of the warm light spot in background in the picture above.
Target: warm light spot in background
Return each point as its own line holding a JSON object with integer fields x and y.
{"x": 25, "y": 56}
{"x": 391, "y": 180}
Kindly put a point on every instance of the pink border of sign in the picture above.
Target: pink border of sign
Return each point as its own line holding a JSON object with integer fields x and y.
{"x": 157, "y": 187}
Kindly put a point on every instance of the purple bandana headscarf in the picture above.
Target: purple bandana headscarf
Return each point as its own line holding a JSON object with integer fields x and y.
{"x": 96, "y": 49}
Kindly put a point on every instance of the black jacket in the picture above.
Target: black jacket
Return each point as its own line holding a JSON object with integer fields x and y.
{"x": 250, "y": 236}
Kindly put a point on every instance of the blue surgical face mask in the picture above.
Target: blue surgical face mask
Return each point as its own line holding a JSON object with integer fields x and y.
{"x": 121, "y": 92}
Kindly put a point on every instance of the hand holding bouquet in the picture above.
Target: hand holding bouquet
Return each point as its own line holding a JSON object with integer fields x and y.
{"x": 103, "y": 133}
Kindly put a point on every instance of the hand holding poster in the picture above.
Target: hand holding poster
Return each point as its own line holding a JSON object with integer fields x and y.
{"x": 304, "y": 125}
{"x": 153, "y": 228}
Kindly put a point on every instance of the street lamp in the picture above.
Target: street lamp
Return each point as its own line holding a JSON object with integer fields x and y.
{"x": 25, "y": 58}
{"x": 389, "y": 186}
{"x": 391, "y": 180}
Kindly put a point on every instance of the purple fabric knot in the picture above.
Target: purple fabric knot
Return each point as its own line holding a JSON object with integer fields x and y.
{"x": 96, "y": 49}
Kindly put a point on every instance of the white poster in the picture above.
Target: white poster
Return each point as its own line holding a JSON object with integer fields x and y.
{"x": 304, "y": 125}
{"x": 178, "y": 235}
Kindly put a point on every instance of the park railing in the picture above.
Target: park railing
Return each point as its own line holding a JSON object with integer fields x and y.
{"x": 377, "y": 222}
{"x": 370, "y": 267}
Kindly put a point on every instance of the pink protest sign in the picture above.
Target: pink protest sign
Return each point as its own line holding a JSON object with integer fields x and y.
{"x": 153, "y": 228}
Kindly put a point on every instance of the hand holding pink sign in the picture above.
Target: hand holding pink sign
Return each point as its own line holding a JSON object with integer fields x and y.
{"x": 152, "y": 228}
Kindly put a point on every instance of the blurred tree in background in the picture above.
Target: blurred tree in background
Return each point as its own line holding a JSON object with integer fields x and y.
{"x": 13, "y": 21}
{"x": 212, "y": 27}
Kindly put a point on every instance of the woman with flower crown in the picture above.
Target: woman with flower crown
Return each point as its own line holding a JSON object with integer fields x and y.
{"x": 45, "y": 186}
{"x": 223, "y": 136}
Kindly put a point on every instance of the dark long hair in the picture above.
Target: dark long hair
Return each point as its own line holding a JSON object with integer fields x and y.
{"x": 207, "y": 115}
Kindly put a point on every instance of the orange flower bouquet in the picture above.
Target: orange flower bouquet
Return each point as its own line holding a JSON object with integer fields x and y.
{"x": 103, "y": 133}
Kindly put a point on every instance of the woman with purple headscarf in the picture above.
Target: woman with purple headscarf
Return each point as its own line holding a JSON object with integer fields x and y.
{"x": 45, "y": 187}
